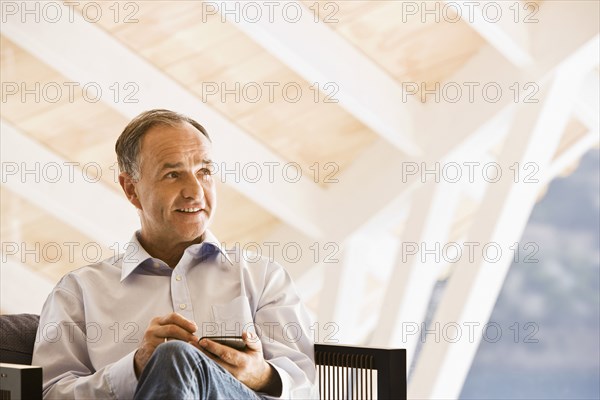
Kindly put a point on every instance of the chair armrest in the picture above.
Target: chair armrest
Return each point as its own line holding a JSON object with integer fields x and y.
{"x": 19, "y": 381}
{"x": 347, "y": 370}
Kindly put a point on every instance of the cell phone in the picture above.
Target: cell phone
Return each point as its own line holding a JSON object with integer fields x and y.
{"x": 235, "y": 342}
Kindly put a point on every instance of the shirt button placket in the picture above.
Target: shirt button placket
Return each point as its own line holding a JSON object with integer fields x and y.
{"x": 180, "y": 295}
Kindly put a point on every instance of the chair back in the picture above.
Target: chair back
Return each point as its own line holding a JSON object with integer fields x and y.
{"x": 346, "y": 372}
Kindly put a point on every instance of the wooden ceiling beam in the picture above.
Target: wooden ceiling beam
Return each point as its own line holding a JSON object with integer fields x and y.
{"x": 450, "y": 131}
{"x": 453, "y": 130}
{"x": 67, "y": 190}
{"x": 503, "y": 24}
{"x": 83, "y": 52}
{"x": 588, "y": 104}
{"x": 474, "y": 286}
{"x": 320, "y": 55}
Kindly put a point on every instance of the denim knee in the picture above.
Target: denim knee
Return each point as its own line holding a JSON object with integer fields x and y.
{"x": 177, "y": 350}
{"x": 178, "y": 370}
{"x": 175, "y": 347}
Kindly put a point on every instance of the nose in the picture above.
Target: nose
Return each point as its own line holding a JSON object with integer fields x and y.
{"x": 192, "y": 188}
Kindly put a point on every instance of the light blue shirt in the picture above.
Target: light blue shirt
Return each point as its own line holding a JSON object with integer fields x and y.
{"x": 94, "y": 320}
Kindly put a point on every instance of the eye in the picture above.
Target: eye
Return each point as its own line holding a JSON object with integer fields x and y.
{"x": 205, "y": 172}
{"x": 172, "y": 175}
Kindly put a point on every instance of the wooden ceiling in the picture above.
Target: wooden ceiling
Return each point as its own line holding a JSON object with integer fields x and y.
{"x": 202, "y": 52}
{"x": 406, "y": 45}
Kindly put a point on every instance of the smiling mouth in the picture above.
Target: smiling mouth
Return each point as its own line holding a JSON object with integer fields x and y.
{"x": 189, "y": 210}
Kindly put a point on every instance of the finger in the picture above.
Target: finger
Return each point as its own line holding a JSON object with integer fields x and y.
{"x": 196, "y": 344}
{"x": 216, "y": 359}
{"x": 179, "y": 320}
{"x": 206, "y": 352}
{"x": 167, "y": 332}
{"x": 224, "y": 353}
{"x": 252, "y": 341}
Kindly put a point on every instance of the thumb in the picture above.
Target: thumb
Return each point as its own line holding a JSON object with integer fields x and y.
{"x": 252, "y": 341}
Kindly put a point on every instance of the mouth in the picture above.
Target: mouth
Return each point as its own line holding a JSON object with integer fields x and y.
{"x": 193, "y": 210}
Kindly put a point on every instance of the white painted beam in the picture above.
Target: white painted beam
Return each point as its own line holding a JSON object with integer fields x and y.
{"x": 336, "y": 273}
{"x": 67, "y": 48}
{"x": 476, "y": 281}
{"x": 588, "y": 105}
{"x": 449, "y": 128}
{"x": 454, "y": 133}
{"x": 417, "y": 267}
{"x": 345, "y": 290}
{"x": 293, "y": 249}
{"x": 62, "y": 189}
{"x": 381, "y": 202}
{"x": 570, "y": 156}
{"x": 319, "y": 54}
{"x": 445, "y": 128}
{"x": 503, "y": 24}
{"x": 563, "y": 27}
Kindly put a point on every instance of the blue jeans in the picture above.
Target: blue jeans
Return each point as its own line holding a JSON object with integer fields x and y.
{"x": 177, "y": 370}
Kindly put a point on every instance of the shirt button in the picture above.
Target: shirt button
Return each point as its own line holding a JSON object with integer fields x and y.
{"x": 178, "y": 277}
{"x": 182, "y": 306}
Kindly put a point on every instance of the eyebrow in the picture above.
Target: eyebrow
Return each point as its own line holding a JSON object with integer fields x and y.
{"x": 179, "y": 165}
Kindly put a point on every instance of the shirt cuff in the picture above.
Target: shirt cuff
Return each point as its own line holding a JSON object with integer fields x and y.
{"x": 122, "y": 377}
{"x": 285, "y": 384}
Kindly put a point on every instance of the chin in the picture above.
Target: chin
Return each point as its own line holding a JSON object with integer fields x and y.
{"x": 196, "y": 234}
{"x": 192, "y": 232}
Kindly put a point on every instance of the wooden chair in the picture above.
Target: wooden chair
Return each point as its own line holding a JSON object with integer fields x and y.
{"x": 347, "y": 372}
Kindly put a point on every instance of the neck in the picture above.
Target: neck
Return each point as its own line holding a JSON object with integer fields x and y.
{"x": 169, "y": 253}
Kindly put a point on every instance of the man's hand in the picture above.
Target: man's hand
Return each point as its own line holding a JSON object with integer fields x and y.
{"x": 248, "y": 365}
{"x": 171, "y": 326}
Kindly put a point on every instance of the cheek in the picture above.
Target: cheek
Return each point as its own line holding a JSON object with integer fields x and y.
{"x": 211, "y": 194}
{"x": 154, "y": 201}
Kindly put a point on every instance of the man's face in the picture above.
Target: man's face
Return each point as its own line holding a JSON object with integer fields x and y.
{"x": 175, "y": 192}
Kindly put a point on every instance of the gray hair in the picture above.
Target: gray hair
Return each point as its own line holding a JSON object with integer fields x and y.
{"x": 129, "y": 142}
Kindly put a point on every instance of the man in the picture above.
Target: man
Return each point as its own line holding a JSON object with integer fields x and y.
{"x": 131, "y": 326}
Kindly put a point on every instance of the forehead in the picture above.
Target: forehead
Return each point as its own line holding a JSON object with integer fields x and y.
{"x": 164, "y": 142}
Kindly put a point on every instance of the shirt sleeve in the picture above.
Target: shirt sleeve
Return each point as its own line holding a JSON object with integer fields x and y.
{"x": 61, "y": 350}
{"x": 284, "y": 328}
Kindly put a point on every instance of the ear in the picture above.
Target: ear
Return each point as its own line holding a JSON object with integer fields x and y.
{"x": 129, "y": 187}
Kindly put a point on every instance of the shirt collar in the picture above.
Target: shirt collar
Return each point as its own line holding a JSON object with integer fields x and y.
{"x": 135, "y": 254}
